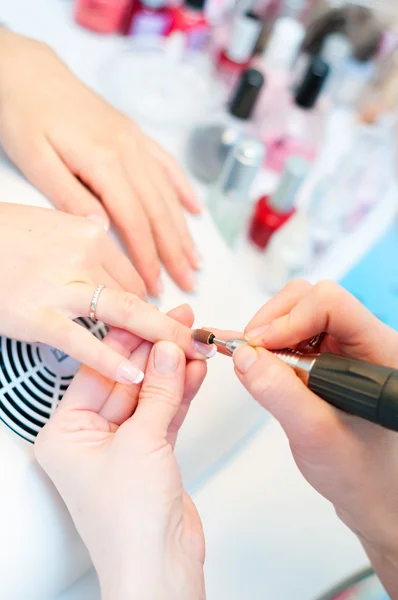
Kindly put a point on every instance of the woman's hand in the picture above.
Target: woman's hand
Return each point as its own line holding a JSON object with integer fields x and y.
{"x": 109, "y": 451}
{"x": 351, "y": 462}
{"x": 91, "y": 160}
{"x": 50, "y": 265}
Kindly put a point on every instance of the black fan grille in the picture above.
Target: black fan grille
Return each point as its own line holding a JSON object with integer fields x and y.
{"x": 33, "y": 380}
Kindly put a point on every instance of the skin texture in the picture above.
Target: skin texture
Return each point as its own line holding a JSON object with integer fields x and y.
{"x": 351, "y": 462}
{"x": 109, "y": 450}
{"x": 91, "y": 160}
{"x": 51, "y": 263}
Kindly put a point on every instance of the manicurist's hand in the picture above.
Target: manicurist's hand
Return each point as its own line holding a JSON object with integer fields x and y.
{"x": 109, "y": 451}
{"x": 91, "y": 160}
{"x": 50, "y": 265}
{"x": 353, "y": 463}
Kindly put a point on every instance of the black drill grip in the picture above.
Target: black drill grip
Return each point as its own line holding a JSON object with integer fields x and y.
{"x": 357, "y": 387}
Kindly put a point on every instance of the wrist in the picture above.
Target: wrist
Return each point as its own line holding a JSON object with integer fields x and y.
{"x": 385, "y": 566}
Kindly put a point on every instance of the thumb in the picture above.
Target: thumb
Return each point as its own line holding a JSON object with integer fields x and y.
{"x": 278, "y": 389}
{"x": 162, "y": 389}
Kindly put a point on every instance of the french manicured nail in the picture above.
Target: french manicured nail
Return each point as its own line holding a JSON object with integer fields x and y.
{"x": 191, "y": 281}
{"x": 166, "y": 358}
{"x": 244, "y": 357}
{"x": 257, "y": 332}
{"x": 159, "y": 285}
{"x": 204, "y": 349}
{"x": 198, "y": 260}
{"x": 101, "y": 220}
{"x": 128, "y": 373}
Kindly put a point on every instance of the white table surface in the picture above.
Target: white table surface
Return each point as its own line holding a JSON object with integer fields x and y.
{"x": 269, "y": 535}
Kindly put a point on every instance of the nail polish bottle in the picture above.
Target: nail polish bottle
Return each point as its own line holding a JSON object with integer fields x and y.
{"x": 276, "y": 64}
{"x": 235, "y": 58}
{"x": 149, "y": 17}
{"x": 288, "y": 254}
{"x": 229, "y": 200}
{"x": 191, "y": 19}
{"x": 299, "y": 130}
{"x": 273, "y": 211}
{"x": 336, "y": 50}
{"x": 102, "y": 16}
{"x": 209, "y": 144}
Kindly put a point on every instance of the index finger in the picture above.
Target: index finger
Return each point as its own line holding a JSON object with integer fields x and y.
{"x": 280, "y": 304}
{"x": 330, "y": 308}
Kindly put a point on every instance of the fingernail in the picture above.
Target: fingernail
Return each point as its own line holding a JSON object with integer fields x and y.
{"x": 159, "y": 285}
{"x": 204, "y": 349}
{"x": 198, "y": 260}
{"x": 191, "y": 280}
{"x": 257, "y": 332}
{"x": 99, "y": 219}
{"x": 128, "y": 373}
{"x": 166, "y": 358}
{"x": 244, "y": 357}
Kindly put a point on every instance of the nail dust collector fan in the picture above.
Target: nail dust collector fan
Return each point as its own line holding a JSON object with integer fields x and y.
{"x": 33, "y": 380}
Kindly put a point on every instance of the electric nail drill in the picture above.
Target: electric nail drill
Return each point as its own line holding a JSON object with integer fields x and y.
{"x": 357, "y": 387}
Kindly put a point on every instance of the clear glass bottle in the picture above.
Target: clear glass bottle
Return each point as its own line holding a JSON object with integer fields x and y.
{"x": 288, "y": 254}
{"x": 229, "y": 201}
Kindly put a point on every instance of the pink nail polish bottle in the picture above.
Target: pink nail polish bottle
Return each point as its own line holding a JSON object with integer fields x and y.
{"x": 235, "y": 58}
{"x": 149, "y": 17}
{"x": 102, "y": 16}
{"x": 276, "y": 65}
{"x": 299, "y": 130}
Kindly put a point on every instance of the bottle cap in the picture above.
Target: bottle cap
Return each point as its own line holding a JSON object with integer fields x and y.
{"x": 293, "y": 8}
{"x": 246, "y": 95}
{"x": 285, "y": 42}
{"x": 242, "y": 165}
{"x": 310, "y": 88}
{"x": 296, "y": 170}
{"x": 335, "y": 49}
{"x": 154, "y": 3}
{"x": 195, "y": 4}
{"x": 245, "y": 32}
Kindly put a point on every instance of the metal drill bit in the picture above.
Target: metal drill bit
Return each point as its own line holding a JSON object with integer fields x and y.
{"x": 230, "y": 345}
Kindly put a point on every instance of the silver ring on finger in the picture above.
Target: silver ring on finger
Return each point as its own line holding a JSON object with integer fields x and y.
{"x": 94, "y": 301}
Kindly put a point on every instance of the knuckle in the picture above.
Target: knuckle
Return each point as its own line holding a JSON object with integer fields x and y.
{"x": 130, "y": 303}
{"x": 127, "y": 132}
{"x": 104, "y": 160}
{"x": 92, "y": 231}
{"x": 298, "y": 284}
{"x": 175, "y": 330}
{"x": 326, "y": 290}
{"x": 159, "y": 393}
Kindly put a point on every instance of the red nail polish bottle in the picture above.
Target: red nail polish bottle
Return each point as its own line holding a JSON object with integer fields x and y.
{"x": 234, "y": 59}
{"x": 103, "y": 16}
{"x": 190, "y": 18}
{"x": 272, "y": 211}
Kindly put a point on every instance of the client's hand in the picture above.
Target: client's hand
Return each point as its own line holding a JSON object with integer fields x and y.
{"x": 50, "y": 265}
{"x": 351, "y": 462}
{"x": 91, "y": 160}
{"x": 109, "y": 451}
